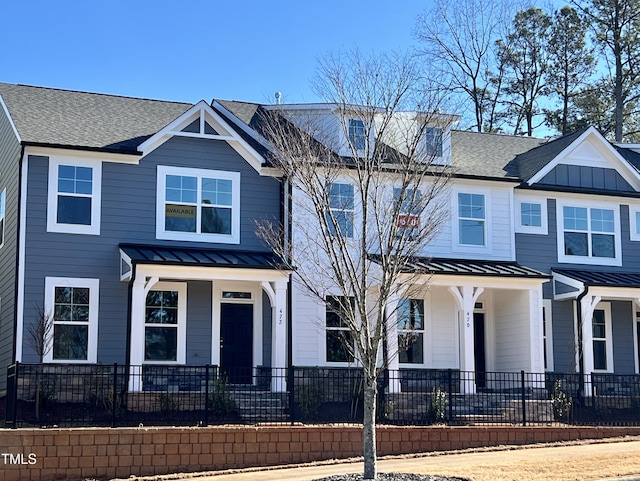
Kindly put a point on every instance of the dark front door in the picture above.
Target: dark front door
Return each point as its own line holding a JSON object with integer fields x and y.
{"x": 479, "y": 354}
{"x": 236, "y": 342}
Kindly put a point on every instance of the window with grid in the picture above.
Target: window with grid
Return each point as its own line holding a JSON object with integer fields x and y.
{"x": 339, "y": 339}
{"x": 410, "y": 316}
{"x": 471, "y": 219}
{"x": 589, "y": 232}
{"x": 341, "y": 209}
{"x": 357, "y": 135}
{"x": 407, "y": 204}
{"x": 161, "y": 326}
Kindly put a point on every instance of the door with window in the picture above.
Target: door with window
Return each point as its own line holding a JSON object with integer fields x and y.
{"x": 236, "y": 341}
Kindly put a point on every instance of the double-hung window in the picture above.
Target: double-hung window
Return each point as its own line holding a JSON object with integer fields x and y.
{"x": 410, "y": 316}
{"x": 74, "y": 196}
{"x": 433, "y": 140}
{"x": 589, "y": 235}
{"x": 601, "y": 332}
{"x": 3, "y": 201}
{"x": 71, "y": 311}
{"x": 357, "y": 134}
{"x": 339, "y": 340}
{"x": 165, "y": 324}
{"x": 341, "y": 209}
{"x": 471, "y": 219}
{"x": 408, "y": 205}
{"x": 199, "y": 205}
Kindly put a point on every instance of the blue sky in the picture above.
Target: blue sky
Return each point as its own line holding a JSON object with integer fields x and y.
{"x": 190, "y": 50}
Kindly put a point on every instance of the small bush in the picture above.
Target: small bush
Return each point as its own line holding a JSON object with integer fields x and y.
{"x": 560, "y": 402}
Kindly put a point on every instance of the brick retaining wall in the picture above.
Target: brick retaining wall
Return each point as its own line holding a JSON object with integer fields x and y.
{"x": 74, "y": 454}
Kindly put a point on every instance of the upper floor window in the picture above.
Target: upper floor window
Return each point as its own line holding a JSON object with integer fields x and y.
{"x": 471, "y": 219}
{"x": 74, "y": 196}
{"x": 411, "y": 331}
{"x": 634, "y": 222}
{"x": 433, "y": 138}
{"x": 341, "y": 209}
{"x": 3, "y": 200}
{"x": 199, "y": 205}
{"x": 73, "y": 305}
{"x": 357, "y": 135}
{"x": 407, "y": 203}
{"x": 339, "y": 339}
{"x": 590, "y": 235}
{"x": 531, "y": 215}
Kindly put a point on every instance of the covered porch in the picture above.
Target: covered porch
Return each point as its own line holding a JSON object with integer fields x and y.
{"x": 195, "y": 307}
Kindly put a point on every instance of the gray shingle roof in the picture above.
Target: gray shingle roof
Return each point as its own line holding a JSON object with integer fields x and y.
{"x": 87, "y": 120}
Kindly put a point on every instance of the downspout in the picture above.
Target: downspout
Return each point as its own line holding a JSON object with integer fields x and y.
{"x": 580, "y": 393}
{"x": 129, "y": 321}
{"x": 18, "y": 247}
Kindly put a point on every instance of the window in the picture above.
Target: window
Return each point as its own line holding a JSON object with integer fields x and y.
{"x": 531, "y": 215}
{"x": 589, "y": 235}
{"x": 339, "y": 339}
{"x": 547, "y": 334}
{"x": 634, "y": 222}
{"x": 601, "y": 338}
{"x": 411, "y": 331}
{"x": 340, "y": 215}
{"x": 3, "y": 199}
{"x": 471, "y": 219}
{"x": 408, "y": 205}
{"x": 198, "y": 205}
{"x": 357, "y": 135}
{"x": 433, "y": 138}
{"x": 74, "y": 196}
{"x": 73, "y": 305}
{"x": 164, "y": 323}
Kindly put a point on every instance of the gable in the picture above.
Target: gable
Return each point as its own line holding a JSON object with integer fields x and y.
{"x": 588, "y": 162}
{"x": 201, "y": 121}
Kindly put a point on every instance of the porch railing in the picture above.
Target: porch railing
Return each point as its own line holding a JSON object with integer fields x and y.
{"x": 115, "y": 395}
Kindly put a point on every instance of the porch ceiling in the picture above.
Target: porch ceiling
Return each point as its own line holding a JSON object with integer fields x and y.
{"x": 194, "y": 257}
{"x": 469, "y": 267}
{"x": 602, "y": 279}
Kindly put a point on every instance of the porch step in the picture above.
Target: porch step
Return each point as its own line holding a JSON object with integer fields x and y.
{"x": 261, "y": 406}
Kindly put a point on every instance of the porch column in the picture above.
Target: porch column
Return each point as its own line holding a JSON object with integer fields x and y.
{"x": 393, "y": 362}
{"x": 536, "y": 330}
{"x": 466, "y": 296}
{"x": 139, "y": 291}
{"x": 279, "y": 336}
{"x": 587, "y": 306}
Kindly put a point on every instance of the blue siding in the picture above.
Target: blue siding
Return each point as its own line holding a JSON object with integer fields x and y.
{"x": 586, "y": 178}
{"x": 563, "y": 337}
{"x": 128, "y": 215}
{"x": 622, "y": 324}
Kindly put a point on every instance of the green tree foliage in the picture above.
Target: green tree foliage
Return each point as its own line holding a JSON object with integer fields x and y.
{"x": 571, "y": 64}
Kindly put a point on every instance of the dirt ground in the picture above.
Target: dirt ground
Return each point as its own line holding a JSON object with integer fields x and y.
{"x": 578, "y": 461}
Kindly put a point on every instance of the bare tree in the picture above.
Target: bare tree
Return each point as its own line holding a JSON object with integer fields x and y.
{"x": 459, "y": 40}
{"x": 368, "y": 193}
{"x": 40, "y": 338}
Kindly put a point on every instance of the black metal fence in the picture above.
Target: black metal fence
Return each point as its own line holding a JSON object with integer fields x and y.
{"x": 115, "y": 395}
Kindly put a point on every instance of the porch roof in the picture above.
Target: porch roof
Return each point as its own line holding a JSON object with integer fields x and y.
{"x": 601, "y": 279}
{"x": 190, "y": 256}
{"x": 469, "y": 267}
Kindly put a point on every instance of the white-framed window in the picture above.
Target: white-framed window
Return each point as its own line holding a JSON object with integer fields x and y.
{"x": 198, "y": 205}
{"x": 341, "y": 209}
{"x": 74, "y": 196}
{"x": 339, "y": 339}
{"x": 165, "y": 323}
{"x": 357, "y": 134}
{"x": 433, "y": 141}
{"x": 72, "y": 304}
{"x": 547, "y": 334}
{"x": 634, "y": 222}
{"x": 410, "y": 315}
{"x": 531, "y": 215}
{"x": 407, "y": 203}
{"x": 589, "y": 234}
{"x": 3, "y": 202}
{"x": 602, "y": 338}
{"x": 472, "y": 219}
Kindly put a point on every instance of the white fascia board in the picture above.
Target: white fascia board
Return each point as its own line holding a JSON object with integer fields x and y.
{"x": 210, "y": 273}
{"x": 628, "y": 173}
{"x": 133, "y": 159}
{"x": 201, "y": 110}
{"x": 486, "y": 282}
{"x": 13, "y": 126}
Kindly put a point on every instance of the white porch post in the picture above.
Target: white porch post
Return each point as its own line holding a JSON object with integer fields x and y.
{"x": 588, "y": 305}
{"x": 139, "y": 291}
{"x": 278, "y": 297}
{"x": 536, "y": 330}
{"x": 466, "y": 297}
{"x": 392, "y": 344}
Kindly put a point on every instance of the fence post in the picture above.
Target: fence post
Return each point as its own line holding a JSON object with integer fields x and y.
{"x": 12, "y": 396}
{"x": 206, "y": 395}
{"x": 450, "y": 388}
{"x": 524, "y": 399}
{"x": 114, "y": 399}
{"x": 292, "y": 394}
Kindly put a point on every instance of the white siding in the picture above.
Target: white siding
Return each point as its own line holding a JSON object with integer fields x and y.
{"x": 307, "y": 328}
{"x": 443, "y": 344}
{"x": 511, "y": 327}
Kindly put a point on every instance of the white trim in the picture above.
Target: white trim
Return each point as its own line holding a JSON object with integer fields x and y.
{"x": 3, "y": 215}
{"x": 22, "y": 234}
{"x": 203, "y": 111}
{"x": 606, "y": 307}
{"x": 547, "y": 338}
{"x": 181, "y": 348}
{"x": 634, "y": 226}
{"x": 542, "y": 229}
{"x": 50, "y": 283}
{"x": 589, "y": 205}
{"x": 422, "y": 331}
{"x": 13, "y": 126}
{"x": 161, "y": 233}
{"x": 111, "y": 157}
{"x": 96, "y": 196}
{"x": 455, "y": 221}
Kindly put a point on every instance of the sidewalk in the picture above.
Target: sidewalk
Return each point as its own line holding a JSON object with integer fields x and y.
{"x": 618, "y": 459}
